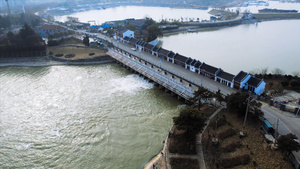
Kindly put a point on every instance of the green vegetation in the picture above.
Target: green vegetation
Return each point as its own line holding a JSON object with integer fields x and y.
{"x": 200, "y": 94}
{"x": 189, "y": 120}
{"x": 5, "y": 22}
{"x": 287, "y": 143}
{"x": 58, "y": 38}
{"x": 25, "y": 44}
{"x": 86, "y": 40}
{"x": 180, "y": 163}
{"x": 237, "y": 103}
{"x": 130, "y": 27}
{"x": 232, "y": 151}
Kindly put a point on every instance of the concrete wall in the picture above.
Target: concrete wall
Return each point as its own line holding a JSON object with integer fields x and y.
{"x": 276, "y": 16}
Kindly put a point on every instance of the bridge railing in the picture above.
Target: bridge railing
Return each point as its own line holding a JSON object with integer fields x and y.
{"x": 166, "y": 82}
{"x": 170, "y": 71}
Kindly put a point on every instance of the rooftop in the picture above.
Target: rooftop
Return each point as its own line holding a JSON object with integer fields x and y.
{"x": 52, "y": 27}
{"x": 253, "y": 81}
{"x": 180, "y": 58}
{"x": 225, "y": 75}
{"x": 208, "y": 68}
{"x": 240, "y": 76}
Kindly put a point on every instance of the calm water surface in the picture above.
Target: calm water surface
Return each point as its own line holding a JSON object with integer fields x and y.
{"x": 81, "y": 117}
{"x": 137, "y": 12}
{"x": 249, "y": 47}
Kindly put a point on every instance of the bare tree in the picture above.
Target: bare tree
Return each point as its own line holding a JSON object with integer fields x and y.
{"x": 264, "y": 71}
{"x": 297, "y": 74}
{"x": 277, "y": 71}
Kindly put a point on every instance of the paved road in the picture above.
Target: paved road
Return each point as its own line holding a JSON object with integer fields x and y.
{"x": 174, "y": 69}
{"x": 288, "y": 122}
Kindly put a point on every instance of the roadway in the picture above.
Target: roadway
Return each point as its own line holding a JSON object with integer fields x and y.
{"x": 174, "y": 69}
{"x": 288, "y": 122}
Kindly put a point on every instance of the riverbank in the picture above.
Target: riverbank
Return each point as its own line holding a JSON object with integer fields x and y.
{"x": 53, "y": 61}
{"x": 275, "y": 16}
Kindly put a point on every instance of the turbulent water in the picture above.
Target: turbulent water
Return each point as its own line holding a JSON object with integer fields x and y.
{"x": 81, "y": 117}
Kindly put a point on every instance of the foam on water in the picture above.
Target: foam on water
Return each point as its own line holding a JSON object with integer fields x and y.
{"x": 23, "y": 146}
{"x": 130, "y": 84}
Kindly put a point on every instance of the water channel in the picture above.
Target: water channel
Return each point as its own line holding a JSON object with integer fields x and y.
{"x": 100, "y": 116}
{"x": 103, "y": 116}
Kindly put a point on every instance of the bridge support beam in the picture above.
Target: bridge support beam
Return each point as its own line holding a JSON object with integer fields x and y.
{"x": 160, "y": 87}
{"x": 179, "y": 98}
{"x": 173, "y": 94}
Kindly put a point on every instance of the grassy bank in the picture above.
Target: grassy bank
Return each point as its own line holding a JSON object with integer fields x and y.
{"x": 234, "y": 152}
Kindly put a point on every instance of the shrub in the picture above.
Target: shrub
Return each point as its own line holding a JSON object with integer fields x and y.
{"x": 91, "y": 54}
{"x": 235, "y": 161}
{"x": 226, "y": 133}
{"x": 59, "y": 55}
{"x": 295, "y": 83}
{"x": 70, "y": 56}
{"x": 179, "y": 163}
{"x": 182, "y": 144}
{"x": 231, "y": 146}
{"x": 284, "y": 83}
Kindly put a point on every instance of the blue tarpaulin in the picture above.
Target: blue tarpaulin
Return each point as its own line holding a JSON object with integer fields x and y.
{"x": 106, "y": 26}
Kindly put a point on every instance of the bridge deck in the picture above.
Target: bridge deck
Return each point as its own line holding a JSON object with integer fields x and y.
{"x": 178, "y": 71}
{"x": 154, "y": 74}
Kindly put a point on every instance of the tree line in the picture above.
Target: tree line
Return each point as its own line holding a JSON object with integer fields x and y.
{"x": 26, "y": 40}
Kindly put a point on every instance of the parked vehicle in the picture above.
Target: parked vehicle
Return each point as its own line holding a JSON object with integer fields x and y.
{"x": 268, "y": 127}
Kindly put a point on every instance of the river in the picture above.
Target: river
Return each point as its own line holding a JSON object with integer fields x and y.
{"x": 248, "y": 47}
{"x": 100, "y": 116}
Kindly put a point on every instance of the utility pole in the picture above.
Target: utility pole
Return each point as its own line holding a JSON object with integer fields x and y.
{"x": 215, "y": 140}
{"x": 245, "y": 120}
{"x": 8, "y": 8}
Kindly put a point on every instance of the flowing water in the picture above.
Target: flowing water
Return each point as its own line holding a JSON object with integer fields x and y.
{"x": 81, "y": 117}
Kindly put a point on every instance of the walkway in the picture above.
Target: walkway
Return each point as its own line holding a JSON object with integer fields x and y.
{"x": 177, "y": 70}
{"x": 154, "y": 74}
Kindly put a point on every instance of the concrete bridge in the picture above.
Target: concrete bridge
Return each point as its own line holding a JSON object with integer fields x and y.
{"x": 171, "y": 83}
{"x": 173, "y": 78}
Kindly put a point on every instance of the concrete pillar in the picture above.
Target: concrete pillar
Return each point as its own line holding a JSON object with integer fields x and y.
{"x": 173, "y": 94}
{"x": 179, "y": 97}
{"x": 160, "y": 87}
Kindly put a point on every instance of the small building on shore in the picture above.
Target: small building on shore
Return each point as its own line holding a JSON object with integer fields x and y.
{"x": 225, "y": 78}
{"x": 46, "y": 30}
{"x": 122, "y": 33}
{"x": 209, "y": 71}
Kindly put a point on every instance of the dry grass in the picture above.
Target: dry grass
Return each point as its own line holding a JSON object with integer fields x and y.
{"x": 71, "y": 41}
{"x": 180, "y": 163}
{"x": 78, "y": 51}
{"x": 253, "y": 146}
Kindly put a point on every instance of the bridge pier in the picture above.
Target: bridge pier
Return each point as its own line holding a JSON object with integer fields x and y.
{"x": 161, "y": 87}
{"x": 173, "y": 94}
{"x": 167, "y": 90}
{"x": 179, "y": 98}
